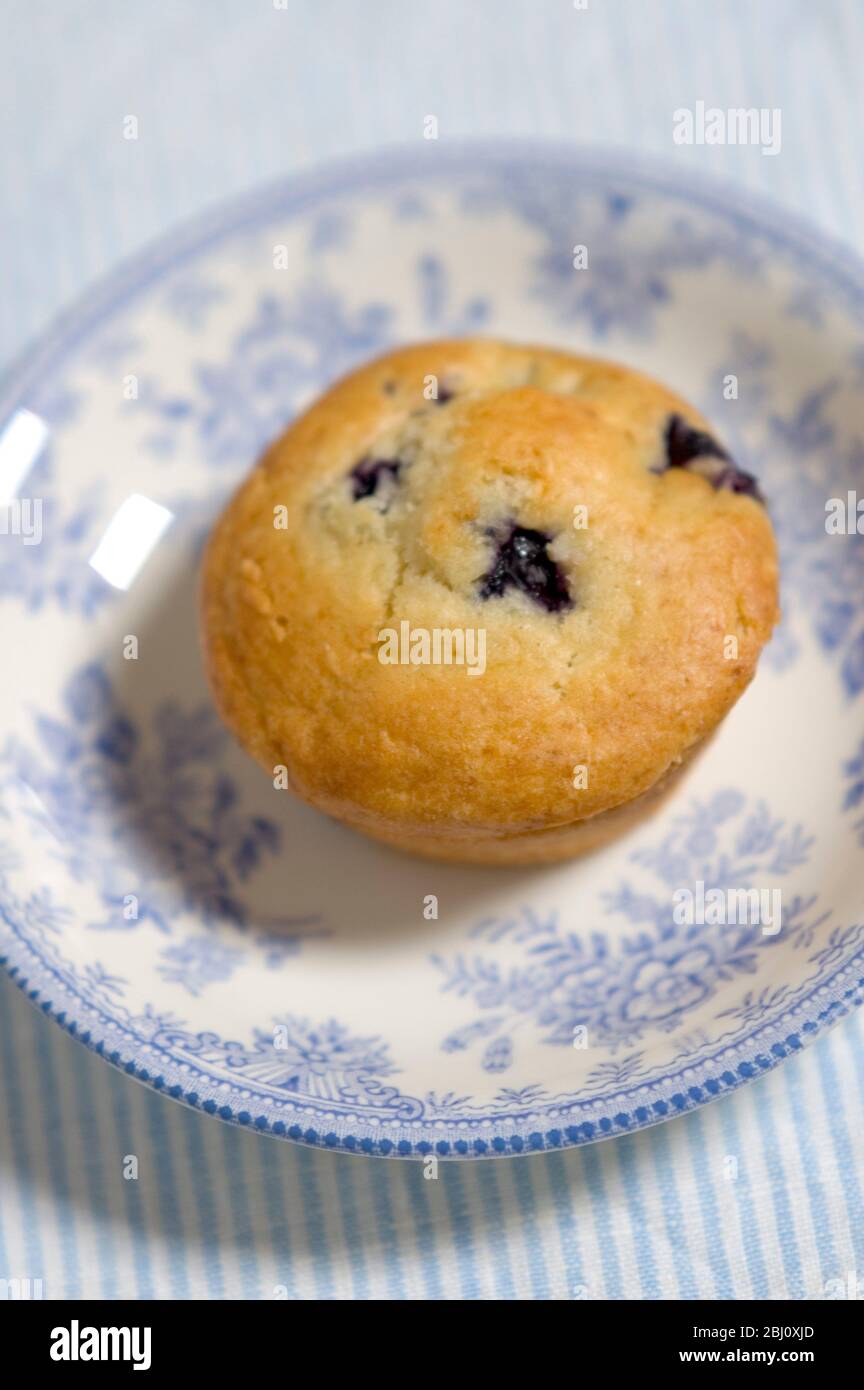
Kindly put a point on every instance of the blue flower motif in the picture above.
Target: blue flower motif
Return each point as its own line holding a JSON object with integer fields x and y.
{"x": 631, "y": 264}
{"x": 87, "y": 694}
{"x": 701, "y": 842}
{"x": 620, "y": 987}
{"x": 310, "y": 1051}
{"x": 288, "y": 350}
{"x": 300, "y": 1057}
{"x": 498, "y": 1055}
{"x": 198, "y": 962}
{"x": 150, "y": 815}
{"x": 56, "y": 570}
{"x": 662, "y": 989}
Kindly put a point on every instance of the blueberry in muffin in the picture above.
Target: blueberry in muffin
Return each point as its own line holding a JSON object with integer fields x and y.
{"x": 574, "y": 521}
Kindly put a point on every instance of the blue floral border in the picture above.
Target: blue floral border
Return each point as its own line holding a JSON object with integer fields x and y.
{"x": 604, "y": 1126}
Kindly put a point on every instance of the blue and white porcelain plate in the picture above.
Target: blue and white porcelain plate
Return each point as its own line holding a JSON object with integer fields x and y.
{"x": 240, "y": 952}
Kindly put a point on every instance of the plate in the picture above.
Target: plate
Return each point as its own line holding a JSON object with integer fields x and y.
{"x": 234, "y": 949}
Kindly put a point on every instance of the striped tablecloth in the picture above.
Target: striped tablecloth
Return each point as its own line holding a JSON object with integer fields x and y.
{"x": 757, "y": 1196}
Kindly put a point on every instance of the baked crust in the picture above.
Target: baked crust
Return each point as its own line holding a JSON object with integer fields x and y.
{"x": 625, "y": 681}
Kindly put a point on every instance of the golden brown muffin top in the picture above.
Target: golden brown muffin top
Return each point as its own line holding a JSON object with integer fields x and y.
{"x": 621, "y": 568}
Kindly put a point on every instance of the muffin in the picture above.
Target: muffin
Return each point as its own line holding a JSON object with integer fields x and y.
{"x": 485, "y": 601}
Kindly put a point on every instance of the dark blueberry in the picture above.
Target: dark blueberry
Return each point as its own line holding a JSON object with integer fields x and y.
{"x": 522, "y": 562}
{"x": 369, "y": 473}
{"x": 735, "y": 479}
{"x": 389, "y": 388}
{"x": 684, "y": 443}
{"x": 445, "y": 394}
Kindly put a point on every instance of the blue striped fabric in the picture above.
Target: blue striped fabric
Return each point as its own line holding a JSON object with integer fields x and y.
{"x": 759, "y": 1195}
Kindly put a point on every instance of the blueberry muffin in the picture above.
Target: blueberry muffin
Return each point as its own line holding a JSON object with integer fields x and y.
{"x": 484, "y": 601}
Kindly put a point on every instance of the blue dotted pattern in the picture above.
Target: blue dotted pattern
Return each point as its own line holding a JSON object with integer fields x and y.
{"x": 568, "y": 1136}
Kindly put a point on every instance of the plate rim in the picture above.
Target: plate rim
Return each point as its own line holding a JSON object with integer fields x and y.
{"x": 225, "y": 218}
